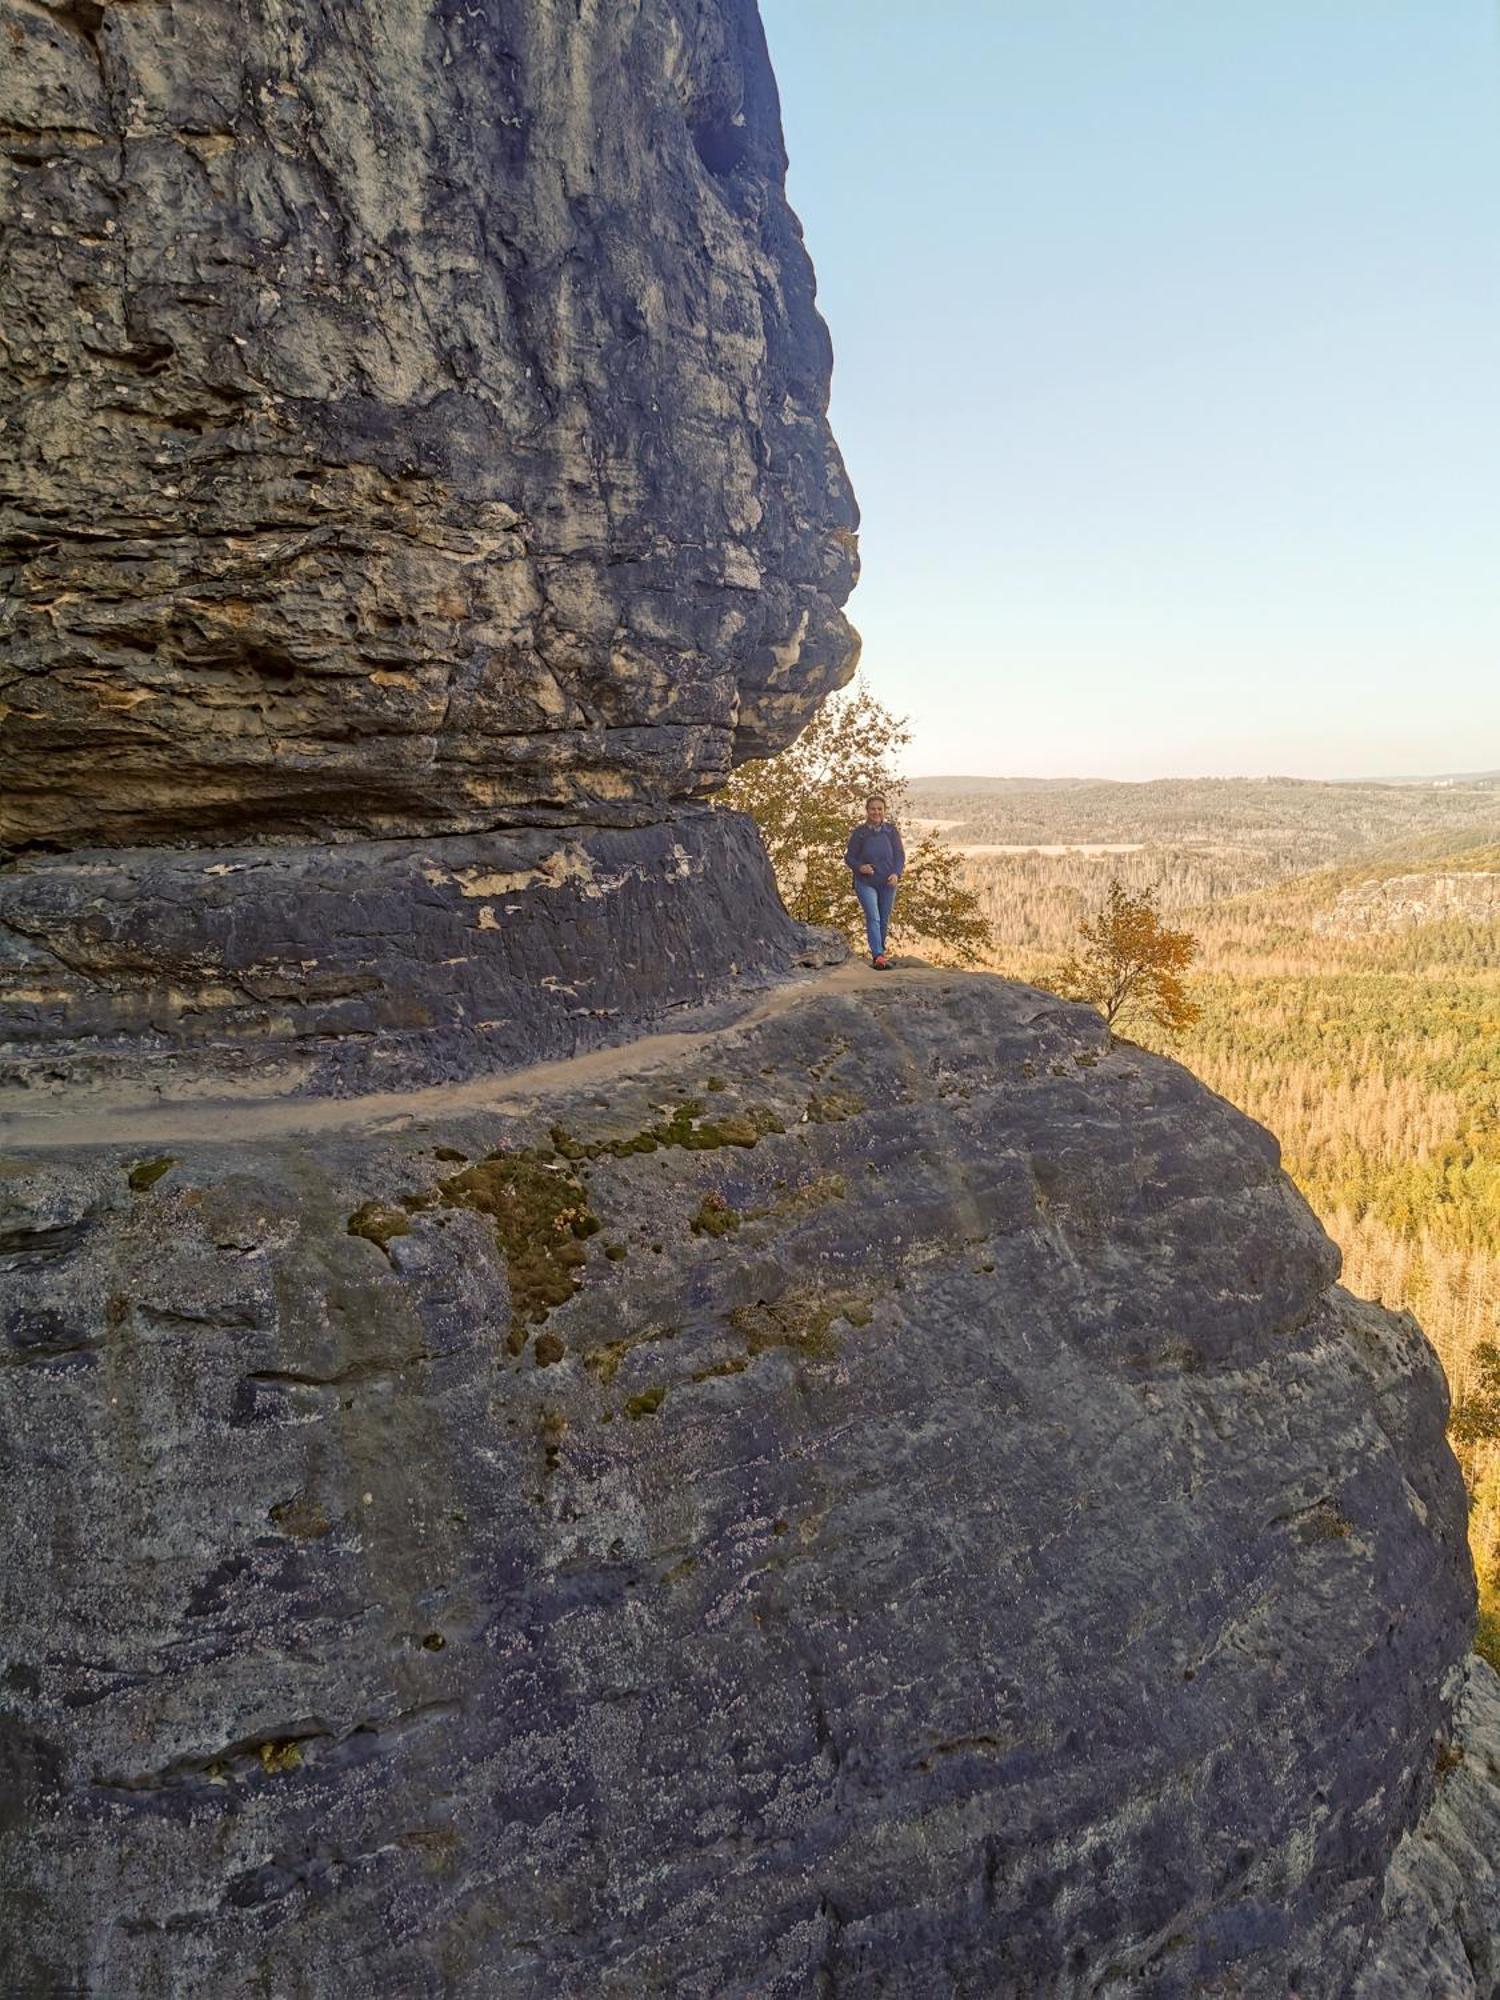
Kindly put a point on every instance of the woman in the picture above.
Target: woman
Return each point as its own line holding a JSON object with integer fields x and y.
{"x": 876, "y": 858}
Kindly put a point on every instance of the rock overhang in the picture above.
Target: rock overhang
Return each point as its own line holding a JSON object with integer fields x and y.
{"x": 417, "y": 422}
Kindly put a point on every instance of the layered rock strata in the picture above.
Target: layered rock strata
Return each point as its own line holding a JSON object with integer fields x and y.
{"x": 413, "y": 418}
{"x": 373, "y": 964}
{"x": 890, "y": 1502}
{"x": 412, "y": 428}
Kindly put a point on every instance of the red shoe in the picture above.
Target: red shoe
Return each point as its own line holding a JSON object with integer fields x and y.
{"x": 882, "y": 964}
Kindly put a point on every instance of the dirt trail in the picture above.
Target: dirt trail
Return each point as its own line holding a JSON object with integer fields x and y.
{"x": 231, "y": 1119}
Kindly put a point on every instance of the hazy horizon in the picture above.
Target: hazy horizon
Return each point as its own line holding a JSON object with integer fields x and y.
{"x": 959, "y": 777}
{"x": 1165, "y": 357}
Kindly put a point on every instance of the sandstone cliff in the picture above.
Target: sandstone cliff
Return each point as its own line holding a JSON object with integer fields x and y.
{"x": 873, "y": 1491}
{"x": 885, "y": 1499}
{"x": 1402, "y": 902}
{"x": 414, "y": 425}
{"x": 414, "y": 417}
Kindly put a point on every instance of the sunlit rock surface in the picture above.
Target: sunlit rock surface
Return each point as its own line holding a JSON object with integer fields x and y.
{"x": 412, "y": 425}
{"x": 889, "y": 1501}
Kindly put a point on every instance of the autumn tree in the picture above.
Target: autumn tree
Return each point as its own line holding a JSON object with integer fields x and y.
{"x": 1131, "y": 960}
{"x": 805, "y": 802}
{"x": 1476, "y": 1413}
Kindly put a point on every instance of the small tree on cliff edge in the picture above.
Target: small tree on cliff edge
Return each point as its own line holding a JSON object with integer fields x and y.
{"x": 1130, "y": 959}
{"x": 1474, "y": 1433}
{"x": 806, "y": 800}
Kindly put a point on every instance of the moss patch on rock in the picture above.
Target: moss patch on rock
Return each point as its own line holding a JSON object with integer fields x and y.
{"x": 715, "y": 1217}
{"x": 803, "y": 1198}
{"x": 301, "y": 1518}
{"x": 377, "y": 1222}
{"x": 833, "y": 1107}
{"x": 276, "y": 1757}
{"x": 801, "y": 1319}
{"x": 735, "y": 1365}
{"x": 148, "y": 1172}
{"x": 542, "y": 1218}
{"x": 685, "y": 1126}
{"x": 603, "y": 1363}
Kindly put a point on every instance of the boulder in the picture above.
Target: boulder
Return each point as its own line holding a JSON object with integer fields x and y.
{"x": 885, "y": 1498}
{"x": 416, "y": 474}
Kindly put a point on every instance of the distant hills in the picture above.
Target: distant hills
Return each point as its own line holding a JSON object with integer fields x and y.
{"x": 978, "y": 786}
{"x": 1446, "y": 778}
{"x": 1261, "y": 829}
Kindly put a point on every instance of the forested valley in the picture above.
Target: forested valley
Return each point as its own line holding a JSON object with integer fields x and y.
{"x": 1349, "y": 979}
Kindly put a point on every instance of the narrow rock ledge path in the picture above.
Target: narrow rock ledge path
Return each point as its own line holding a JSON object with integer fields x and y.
{"x": 128, "y": 1115}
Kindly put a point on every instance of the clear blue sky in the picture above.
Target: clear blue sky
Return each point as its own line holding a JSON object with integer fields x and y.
{"x": 1167, "y": 340}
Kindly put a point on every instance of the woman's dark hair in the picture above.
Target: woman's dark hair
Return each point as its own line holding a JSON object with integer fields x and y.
{"x": 874, "y": 796}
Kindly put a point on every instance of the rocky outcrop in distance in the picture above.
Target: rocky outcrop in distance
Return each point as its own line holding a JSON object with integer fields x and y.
{"x": 1401, "y": 902}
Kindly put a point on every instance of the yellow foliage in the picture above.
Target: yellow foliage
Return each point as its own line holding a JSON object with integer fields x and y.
{"x": 1131, "y": 960}
{"x": 807, "y": 800}
{"x": 278, "y": 1757}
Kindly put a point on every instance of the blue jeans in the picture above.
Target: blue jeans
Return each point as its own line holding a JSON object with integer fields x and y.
{"x": 875, "y": 899}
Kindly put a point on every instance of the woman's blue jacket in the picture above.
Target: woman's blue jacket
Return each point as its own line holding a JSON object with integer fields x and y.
{"x": 878, "y": 846}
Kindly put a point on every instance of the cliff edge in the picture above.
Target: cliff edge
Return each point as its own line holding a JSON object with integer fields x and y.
{"x": 884, "y": 1498}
